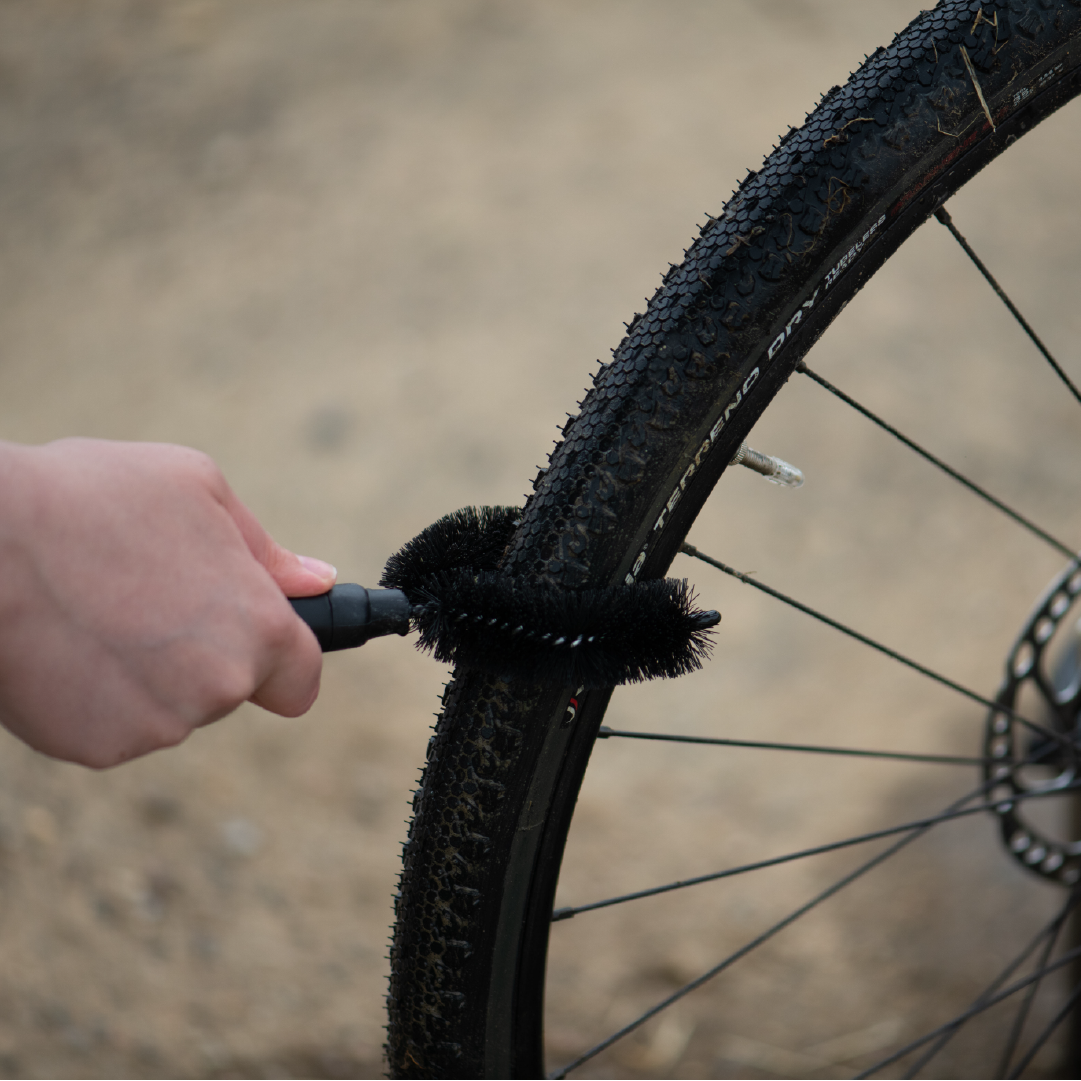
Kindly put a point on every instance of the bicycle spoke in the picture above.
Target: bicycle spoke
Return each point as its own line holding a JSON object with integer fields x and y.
{"x": 947, "y": 469}
{"x": 998, "y": 707}
{"x": 1048, "y": 1031}
{"x": 972, "y": 1011}
{"x": 1051, "y": 929}
{"x": 946, "y": 759}
{"x": 817, "y": 850}
{"x": 1025, "y": 1008}
{"x": 765, "y": 936}
{"x": 1018, "y": 1026}
{"x": 943, "y": 216}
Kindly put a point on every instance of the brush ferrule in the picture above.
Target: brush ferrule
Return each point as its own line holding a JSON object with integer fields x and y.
{"x": 349, "y": 615}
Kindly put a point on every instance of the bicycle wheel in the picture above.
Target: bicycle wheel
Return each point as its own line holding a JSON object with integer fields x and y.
{"x": 727, "y": 328}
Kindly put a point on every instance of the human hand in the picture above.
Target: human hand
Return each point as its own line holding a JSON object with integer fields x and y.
{"x": 139, "y": 600}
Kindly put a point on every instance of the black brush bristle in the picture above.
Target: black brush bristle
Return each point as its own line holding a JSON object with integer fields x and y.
{"x": 593, "y": 638}
{"x": 473, "y": 537}
{"x": 471, "y": 614}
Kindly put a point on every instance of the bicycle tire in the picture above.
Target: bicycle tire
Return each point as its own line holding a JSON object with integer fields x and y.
{"x": 721, "y": 335}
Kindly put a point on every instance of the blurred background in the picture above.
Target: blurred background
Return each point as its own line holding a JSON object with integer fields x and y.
{"x": 366, "y": 255}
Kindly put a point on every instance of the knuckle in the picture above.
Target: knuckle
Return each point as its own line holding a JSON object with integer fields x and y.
{"x": 173, "y": 731}
{"x": 279, "y": 625}
{"x": 301, "y": 700}
{"x": 98, "y": 758}
{"x": 152, "y": 734}
{"x": 200, "y": 467}
{"x": 222, "y": 691}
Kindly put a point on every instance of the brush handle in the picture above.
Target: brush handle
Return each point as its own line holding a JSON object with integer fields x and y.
{"x": 349, "y": 615}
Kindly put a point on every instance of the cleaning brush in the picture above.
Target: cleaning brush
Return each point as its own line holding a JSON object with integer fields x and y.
{"x": 446, "y": 584}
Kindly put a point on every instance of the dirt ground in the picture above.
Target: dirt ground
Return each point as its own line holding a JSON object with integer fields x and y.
{"x": 365, "y": 254}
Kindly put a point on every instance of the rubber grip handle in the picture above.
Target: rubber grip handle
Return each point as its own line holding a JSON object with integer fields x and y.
{"x": 349, "y": 615}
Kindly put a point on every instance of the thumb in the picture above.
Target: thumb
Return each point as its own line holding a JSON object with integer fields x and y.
{"x": 296, "y": 576}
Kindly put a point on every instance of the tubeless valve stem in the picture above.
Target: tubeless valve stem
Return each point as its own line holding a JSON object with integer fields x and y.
{"x": 775, "y": 470}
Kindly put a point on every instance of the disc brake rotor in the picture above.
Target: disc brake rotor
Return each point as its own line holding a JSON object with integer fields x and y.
{"x": 1027, "y": 763}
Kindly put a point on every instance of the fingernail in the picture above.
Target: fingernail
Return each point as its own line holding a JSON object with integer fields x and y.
{"x": 319, "y": 567}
